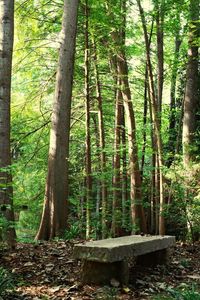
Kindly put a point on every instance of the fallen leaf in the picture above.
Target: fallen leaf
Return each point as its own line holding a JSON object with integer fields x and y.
{"x": 28, "y": 264}
{"x": 126, "y": 290}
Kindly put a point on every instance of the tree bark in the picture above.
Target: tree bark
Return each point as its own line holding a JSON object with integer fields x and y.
{"x": 88, "y": 166}
{"x": 160, "y": 52}
{"x": 191, "y": 94}
{"x": 125, "y": 206}
{"x": 6, "y": 51}
{"x": 54, "y": 217}
{"x": 144, "y": 121}
{"x": 117, "y": 184}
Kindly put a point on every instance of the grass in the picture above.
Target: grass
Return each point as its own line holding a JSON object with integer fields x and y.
{"x": 180, "y": 294}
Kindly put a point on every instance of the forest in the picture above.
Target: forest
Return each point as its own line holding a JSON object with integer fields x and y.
{"x": 99, "y": 135}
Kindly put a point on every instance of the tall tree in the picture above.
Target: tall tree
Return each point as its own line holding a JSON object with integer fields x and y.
{"x": 117, "y": 186}
{"x": 88, "y": 164}
{"x": 155, "y": 119}
{"x": 101, "y": 143}
{"x": 173, "y": 104}
{"x": 6, "y": 51}
{"x": 137, "y": 211}
{"x": 54, "y": 218}
{"x": 160, "y": 13}
{"x": 191, "y": 93}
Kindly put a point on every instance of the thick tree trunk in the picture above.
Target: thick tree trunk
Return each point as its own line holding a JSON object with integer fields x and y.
{"x": 54, "y": 218}
{"x": 6, "y": 50}
{"x": 191, "y": 94}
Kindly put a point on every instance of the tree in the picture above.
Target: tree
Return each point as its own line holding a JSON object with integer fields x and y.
{"x": 54, "y": 218}
{"x": 160, "y": 14}
{"x": 191, "y": 93}
{"x": 6, "y": 51}
{"x": 117, "y": 185}
{"x": 103, "y": 189}
{"x": 172, "y": 117}
{"x": 155, "y": 118}
{"x": 137, "y": 211}
{"x": 88, "y": 165}
{"x": 136, "y": 125}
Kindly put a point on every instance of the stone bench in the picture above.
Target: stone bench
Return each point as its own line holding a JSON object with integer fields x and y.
{"x": 111, "y": 258}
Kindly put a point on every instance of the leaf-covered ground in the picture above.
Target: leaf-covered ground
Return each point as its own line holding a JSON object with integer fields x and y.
{"x": 47, "y": 271}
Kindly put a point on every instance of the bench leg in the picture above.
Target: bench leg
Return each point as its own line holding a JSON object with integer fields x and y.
{"x": 102, "y": 273}
{"x": 159, "y": 257}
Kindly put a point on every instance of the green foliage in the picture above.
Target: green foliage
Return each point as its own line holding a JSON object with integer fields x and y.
{"x": 6, "y": 281}
{"x": 73, "y": 232}
{"x": 37, "y": 29}
{"x": 185, "y": 294}
{"x": 5, "y": 225}
{"x": 184, "y": 208}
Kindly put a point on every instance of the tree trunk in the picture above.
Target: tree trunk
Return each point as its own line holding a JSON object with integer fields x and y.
{"x": 98, "y": 230}
{"x": 88, "y": 166}
{"x": 191, "y": 94}
{"x": 54, "y": 218}
{"x": 102, "y": 146}
{"x": 117, "y": 186}
{"x": 6, "y": 51}
{"x": 125, "y": 206}
{"x": 137, "y": 212}
{"x": 155, "y": 116}
{"x": 173, "y": 114}
{"x": 144, "y": 121}
{"x": 160, "y": 52}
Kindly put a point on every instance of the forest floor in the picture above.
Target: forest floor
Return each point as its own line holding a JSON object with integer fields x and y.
{"x": 47, "y": 271}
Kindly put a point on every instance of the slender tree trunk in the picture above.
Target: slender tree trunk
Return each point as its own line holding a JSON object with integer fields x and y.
{"x": 147, "y": 103}
{"x": 6, "y": 51}
{"x": 54, "y": 218}
{"x": 173, "y": 113}
{"x": 160, "y": 52}
{"x": 125, "y": 206}
{"x": 155, "y": 117}
{"x": 137, "y": 212}
{"x": 160, "y": 80}
{"x": 117, "y": 185}
{"x": 191, "y": 94}
{"x": 88, "y": 165}
{"x": 102, "y": 145}
{"x": 98, "y": 183}
{"x": 144, "y": 121}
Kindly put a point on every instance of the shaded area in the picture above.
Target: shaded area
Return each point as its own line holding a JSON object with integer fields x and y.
{"x": 47, "y": 271}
